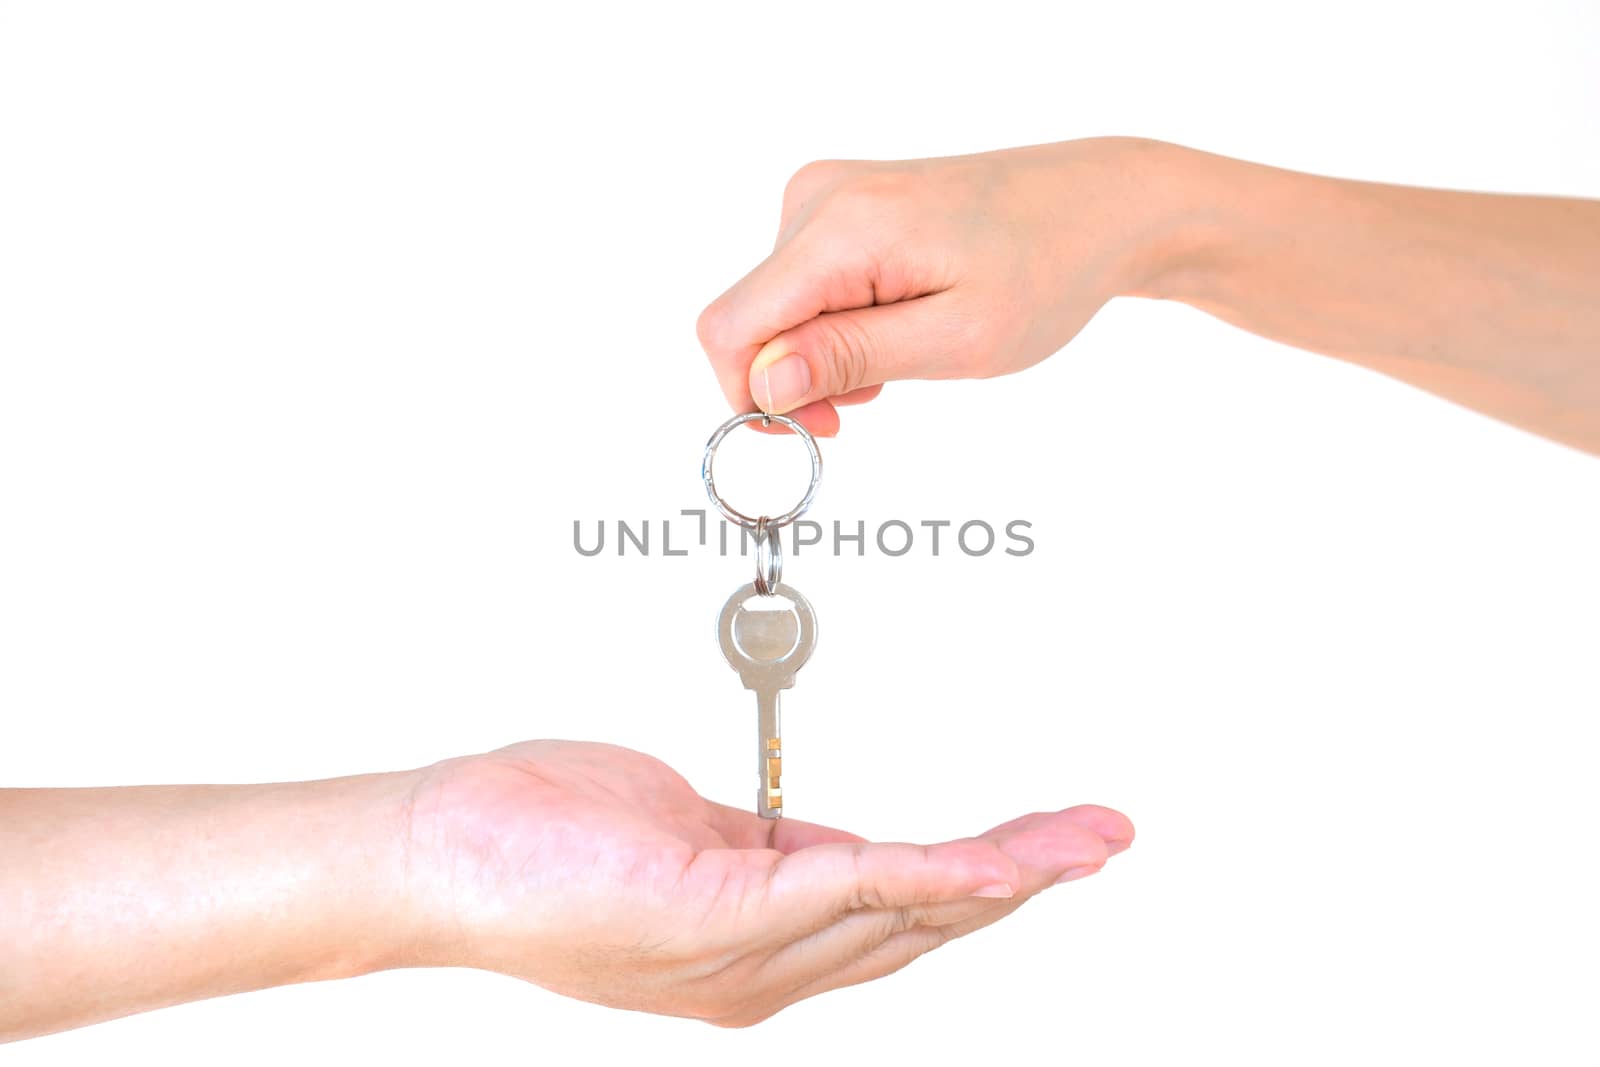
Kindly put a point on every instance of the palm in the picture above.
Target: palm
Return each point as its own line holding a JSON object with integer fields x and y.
{"x": 570, "y": 864}
{"x": 579, "y": 810}
{"x": 621, "y": 800}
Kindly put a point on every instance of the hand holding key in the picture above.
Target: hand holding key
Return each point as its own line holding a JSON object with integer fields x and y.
{"x": 599, "y": 873}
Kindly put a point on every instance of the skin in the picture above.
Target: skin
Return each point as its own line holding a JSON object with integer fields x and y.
{"x": 977, "y": 266}
{"x": 591, "y": 870}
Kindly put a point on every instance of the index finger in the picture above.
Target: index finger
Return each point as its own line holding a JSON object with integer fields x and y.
{"x": 838, "y": 878}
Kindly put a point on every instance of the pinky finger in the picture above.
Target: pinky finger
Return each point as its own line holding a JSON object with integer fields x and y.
{"x": 896, "y": 952}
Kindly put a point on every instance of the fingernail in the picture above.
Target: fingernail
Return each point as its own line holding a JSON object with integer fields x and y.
{"x": 1113, "y": 847}
{"x": 1074, "y": 873}
{"x": 785, "y": 383}
{"x": 999, "y": 889}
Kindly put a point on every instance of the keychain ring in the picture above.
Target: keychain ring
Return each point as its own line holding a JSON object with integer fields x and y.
{"x": 738, "y": 516}
{"x": 769, "y": 557}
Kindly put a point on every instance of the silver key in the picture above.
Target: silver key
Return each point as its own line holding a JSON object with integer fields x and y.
{"x": 767, "y": 648}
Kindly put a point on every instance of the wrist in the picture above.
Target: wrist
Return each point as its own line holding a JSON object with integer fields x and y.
{"x": 1211, "y": 222}
{"x": 368, "y": 913}
{"x": 1175, "y": 217}
{"x": 435, "y": 815}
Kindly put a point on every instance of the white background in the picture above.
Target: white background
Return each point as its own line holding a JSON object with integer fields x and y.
{"x": 320, "y": 323}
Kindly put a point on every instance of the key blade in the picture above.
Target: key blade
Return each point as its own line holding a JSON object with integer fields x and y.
{"x": 769, "y": 754}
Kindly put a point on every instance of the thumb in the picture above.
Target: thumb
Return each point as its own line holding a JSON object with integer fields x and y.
{"x": 841, "y": 352}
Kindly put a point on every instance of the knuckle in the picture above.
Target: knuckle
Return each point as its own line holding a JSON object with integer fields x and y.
{"x": 902, "y": 920}
{"x": 877, "y": 195}
{"x": 845, "y": 353}
{"x": 864, "y": 892}
{"x": 712, "y": 327}
{"x": 925, "y": 942}
{"x": 854, "y": 193}
{"x": 812, "y": 178}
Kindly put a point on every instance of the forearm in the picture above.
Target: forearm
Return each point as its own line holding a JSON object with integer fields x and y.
{"x": 114, "y": 901}
{"x": 1489, "y": 300}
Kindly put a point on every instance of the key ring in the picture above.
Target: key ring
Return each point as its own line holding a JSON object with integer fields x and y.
{"x": 769, "y": 558}
{"x": 739, "y": 517}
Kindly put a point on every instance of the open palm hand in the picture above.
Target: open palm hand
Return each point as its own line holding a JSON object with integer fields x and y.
{"x": 599, "y": 873}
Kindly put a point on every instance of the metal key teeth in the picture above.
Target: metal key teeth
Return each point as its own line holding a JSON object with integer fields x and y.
{"x": 774, "y": 772}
